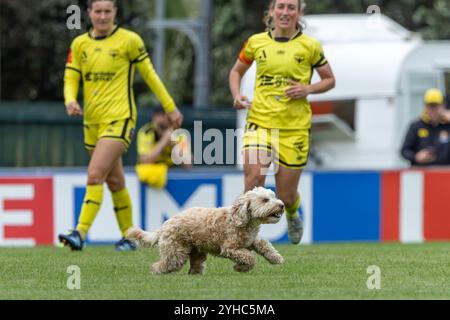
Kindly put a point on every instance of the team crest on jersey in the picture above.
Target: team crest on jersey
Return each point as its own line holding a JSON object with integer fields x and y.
{"x": 114, "y": 53}
{"x": 299, "y": 58}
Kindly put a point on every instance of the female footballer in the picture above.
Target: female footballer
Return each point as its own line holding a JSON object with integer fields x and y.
{"x": 279, "y": 117}
{"x": 105, "y": 59}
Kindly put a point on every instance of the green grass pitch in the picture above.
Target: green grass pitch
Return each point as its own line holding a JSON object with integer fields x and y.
{"x": 326, "y": 271}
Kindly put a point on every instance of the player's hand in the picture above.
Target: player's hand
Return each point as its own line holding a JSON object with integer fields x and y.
{"x": 74, "y": 110}
{"x": 175, "y": 118}
{"x": 241, "y": 102}
{"x": 425, "y": 156}
{"x": 167, "y": 137}
{"x": 297, "y": 90}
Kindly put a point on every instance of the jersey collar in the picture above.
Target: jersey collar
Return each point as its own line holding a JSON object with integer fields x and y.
{"x": 103, "y": 37}
{"x": 283, "y": 39}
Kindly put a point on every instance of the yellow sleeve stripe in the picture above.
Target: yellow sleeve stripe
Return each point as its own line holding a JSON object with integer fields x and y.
{"x": 140, "y": 58}
{"x": 321, "y": 63}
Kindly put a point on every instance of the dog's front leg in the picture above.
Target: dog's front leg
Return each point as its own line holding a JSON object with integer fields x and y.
{"x": 245, "y": 261}
{"x": 266, "y": 249}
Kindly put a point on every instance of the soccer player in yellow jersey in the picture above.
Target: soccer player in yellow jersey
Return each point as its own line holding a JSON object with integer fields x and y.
{"x": 105, "y": 59}
{"x": 160, "y": 148}
{"x": 279, "y": 117}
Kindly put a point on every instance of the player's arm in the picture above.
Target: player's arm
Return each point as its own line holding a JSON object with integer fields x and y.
{"x": 235, "y": 79}
{"x": 138, "y": 55}
{"x": 72, "y": 76}
{"x": 298, "y": 91}
{"x": 181, "y": 151}
{"x": 153, "y": 81}
{"x": 327, "y": 82}
{"x": 243, "y": 63}
{"x": 321, "y": 65}
{"x": 156, "y": 149}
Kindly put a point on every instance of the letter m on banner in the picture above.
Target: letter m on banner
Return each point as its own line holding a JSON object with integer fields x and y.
{"x": 26, "y": 211}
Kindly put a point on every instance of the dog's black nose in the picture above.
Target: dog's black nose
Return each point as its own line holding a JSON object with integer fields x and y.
{"x": 282, "y": 206}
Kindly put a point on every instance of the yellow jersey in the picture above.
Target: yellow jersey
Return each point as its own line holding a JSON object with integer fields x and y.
{"x": 278, "y": 62}
{"x": 106, "y": 65}
{"x": 147, "y": 139}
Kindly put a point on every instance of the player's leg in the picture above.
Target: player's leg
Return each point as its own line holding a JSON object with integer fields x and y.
{"x": 287, "y": 181}
{"x": 104, "y": 157}
{"x": 257, "y": 156}
{"x": 293, "y": 156}
{"x": 255, "y": 166}
{"x": 122, "y": 204}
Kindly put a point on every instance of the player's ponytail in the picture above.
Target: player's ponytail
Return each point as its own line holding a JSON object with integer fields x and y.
{"x": 268, "y": 19}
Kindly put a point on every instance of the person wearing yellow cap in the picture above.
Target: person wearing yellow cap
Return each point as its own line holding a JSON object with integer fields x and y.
{"x": 159, "y": 148}
{"x": 427, "y": 142}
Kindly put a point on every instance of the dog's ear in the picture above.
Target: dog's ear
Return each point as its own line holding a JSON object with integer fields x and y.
{"x": 240, "y": 214}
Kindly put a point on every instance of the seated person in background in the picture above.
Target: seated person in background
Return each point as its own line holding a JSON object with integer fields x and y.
{"x": 427, "y": 142}
{"x": 159, "y": 148}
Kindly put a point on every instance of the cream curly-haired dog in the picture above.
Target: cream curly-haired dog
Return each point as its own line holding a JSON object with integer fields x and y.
{"x": 229, "y": 232}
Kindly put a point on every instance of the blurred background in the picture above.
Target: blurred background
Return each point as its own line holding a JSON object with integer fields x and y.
{"x": 180, "y": 34}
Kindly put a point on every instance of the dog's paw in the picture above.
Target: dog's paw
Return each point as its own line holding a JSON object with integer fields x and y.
{"x": 242, "y": 267}
{"x": 277, "y": 259}
{"x": 196, "y": 272}
{"x": 156, "y": 270}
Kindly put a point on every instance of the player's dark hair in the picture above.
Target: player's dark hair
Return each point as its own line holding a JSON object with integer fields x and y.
{"x": 90, "y": 2}
{"x": 268, "y": 19}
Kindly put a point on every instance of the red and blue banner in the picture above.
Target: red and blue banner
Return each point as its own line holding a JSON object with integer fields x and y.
{"x": 346, "y": 206}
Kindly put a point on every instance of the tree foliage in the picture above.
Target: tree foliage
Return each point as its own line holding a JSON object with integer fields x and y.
{"x": 35, "y": 39}
{"x": 431, "y": 18}
{"x": 35, "y": 42}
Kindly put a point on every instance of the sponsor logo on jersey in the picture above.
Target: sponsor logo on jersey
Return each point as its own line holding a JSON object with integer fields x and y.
{"x": 99, "y": 76}
{"x": 262, "y": 59}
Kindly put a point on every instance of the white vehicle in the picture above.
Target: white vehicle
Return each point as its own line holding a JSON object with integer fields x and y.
{"x": 382, "y": 71}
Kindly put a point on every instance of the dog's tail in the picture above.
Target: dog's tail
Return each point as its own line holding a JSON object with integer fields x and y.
{"x": 143, "y": 238}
